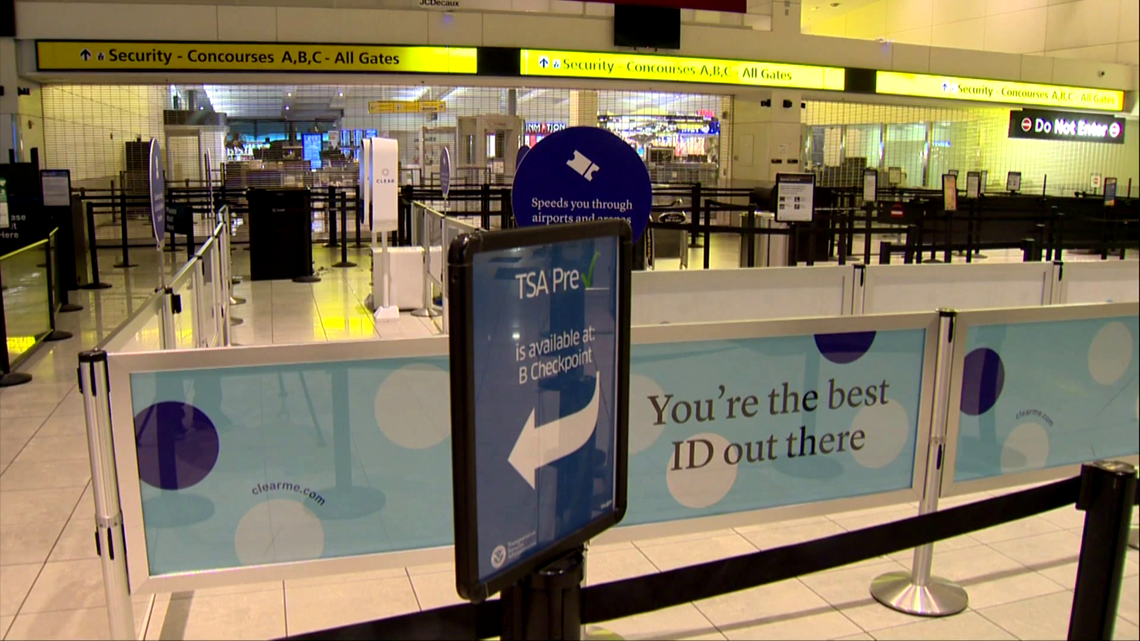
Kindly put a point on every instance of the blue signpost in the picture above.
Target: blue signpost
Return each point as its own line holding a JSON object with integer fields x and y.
{"x": 445, "y": 172}
{"x": 582, "y": 174}
{"x": 157, "y": 194}
{"x": 540, "y": 379}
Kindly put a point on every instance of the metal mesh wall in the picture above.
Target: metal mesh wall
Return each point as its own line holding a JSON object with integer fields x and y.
{"x": 86, "y": 127}
{"x": 842, "y": 138}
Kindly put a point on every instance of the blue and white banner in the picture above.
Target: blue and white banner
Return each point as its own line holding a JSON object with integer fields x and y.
{"x": 1040, "y": 395}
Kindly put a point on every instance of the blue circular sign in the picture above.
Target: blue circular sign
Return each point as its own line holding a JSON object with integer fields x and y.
{"x": 523, "y": 151}
{"x": 445, "y": 172}
{"x": 157, "y": 193}
{"x": 581, "y": 174}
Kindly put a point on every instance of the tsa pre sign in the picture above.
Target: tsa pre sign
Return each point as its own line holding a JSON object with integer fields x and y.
{"x": 548, "y": 346}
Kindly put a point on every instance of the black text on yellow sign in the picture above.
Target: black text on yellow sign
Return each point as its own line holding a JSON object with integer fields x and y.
{"x": 229, "y": 56}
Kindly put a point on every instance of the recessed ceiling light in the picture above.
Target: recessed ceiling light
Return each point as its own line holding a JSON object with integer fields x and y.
{"x": 286, "y": 107}
{"x": 291, "y": 95}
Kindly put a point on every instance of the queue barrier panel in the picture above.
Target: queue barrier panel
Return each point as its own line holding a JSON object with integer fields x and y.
{"x": 1106, "y": 281}
{"x": 305, "y": 460}
{"x": 1036, "y": 392}
{"x": 893, "y": 289}
{"x": 693, "y": 296}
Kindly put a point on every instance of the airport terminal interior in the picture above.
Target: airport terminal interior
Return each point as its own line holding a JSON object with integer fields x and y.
{"x": 258, "y": 273}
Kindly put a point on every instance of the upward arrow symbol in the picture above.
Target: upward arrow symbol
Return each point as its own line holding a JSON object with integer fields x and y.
{"x": 85, "y": 54}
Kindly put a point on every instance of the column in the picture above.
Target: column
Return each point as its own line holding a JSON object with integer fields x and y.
{"x": 583, "y": 108}
{"x": 766, "y": 137}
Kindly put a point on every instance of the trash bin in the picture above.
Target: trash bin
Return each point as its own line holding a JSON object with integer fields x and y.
{"x": 670, "y": 243}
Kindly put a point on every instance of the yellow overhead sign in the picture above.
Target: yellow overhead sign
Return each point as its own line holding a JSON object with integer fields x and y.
{"x": 405, "y": 106}
{"x": 629, "y": 66}
{"x": 1019, "y": 93}
{"x": 238, "y": 56}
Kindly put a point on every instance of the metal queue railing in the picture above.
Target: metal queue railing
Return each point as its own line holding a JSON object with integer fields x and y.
{"x": 435, "y": 230}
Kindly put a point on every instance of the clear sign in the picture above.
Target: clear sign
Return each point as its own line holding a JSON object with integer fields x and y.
{"x": 157, "y": 184}
{"x": 445, "y": 172}
{"x": 973, "y": 184}
{"x": 1109, "y": 192}
{"x": 582, "y": 174}
{"x": 1013, "y": 181}
{"x": 949, "y": 192}
{"x": 870, "y": 185}
{"x": 1096, "y": 181}
{"x": 795, "y": 195}
{"x": 56, "y": 185}
{"x": 540, "y": 395}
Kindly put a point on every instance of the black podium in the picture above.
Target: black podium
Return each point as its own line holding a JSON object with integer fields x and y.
{"x": 280, "y": 234}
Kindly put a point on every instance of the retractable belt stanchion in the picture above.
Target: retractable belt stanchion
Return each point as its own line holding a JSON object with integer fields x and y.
{"x": 344, "y": 261}
{"x": 420, "y": 229}
{"x": 109, "y": 539}
{"x": 93, "y": 246}
{"x": 126, "y": 251}
{"x": 55, "y": 334}
{"x": 917, "y": 592}
{"x": 1108, "y": 491}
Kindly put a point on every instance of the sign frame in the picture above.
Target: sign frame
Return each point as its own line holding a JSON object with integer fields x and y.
{"x": 1110, "y": 192}
{"x": 1042, "y": 124}
{"x": 797, "y": 180}
{"x": 949, "y": 192}
{"x": 870, "y": 185}
{"x": 1013, "y": 182}
{"x": 672, "y": 69}
{"x": 461, "y": 350}
{"x": 973, "y": 184}
{"x": 54, "y": 175}
{"x": 465, "y": 57}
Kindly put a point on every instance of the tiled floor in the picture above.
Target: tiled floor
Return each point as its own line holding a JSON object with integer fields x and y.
{"x": 1019, "y": 576}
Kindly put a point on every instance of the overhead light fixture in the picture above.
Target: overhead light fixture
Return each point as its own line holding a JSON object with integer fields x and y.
{"x": 341, "y": 94}
{"x": 834, "y": 4}
{"x": 289, "y": 95}
{"x": 286, "y": 107}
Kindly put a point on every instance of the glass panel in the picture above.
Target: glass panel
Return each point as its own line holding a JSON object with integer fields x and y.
{"x": 27, "y": 317}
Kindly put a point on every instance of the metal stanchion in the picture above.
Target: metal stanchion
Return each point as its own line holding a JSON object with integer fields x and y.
{"x": 1108, "y": 489}
{"x": 109, "y": 539}
{"x": 918, "y": 592}
{"x": 344, "y": 261}
{"x": 126, "y": 261}
{"x": 55, "y": 334}
{"x": 168, "y": 337}
{"x": 93, "y": 246}
{"x": 419, "y": 226}
{"x": 197, "y": 280}
{"x": 330, "y": 217}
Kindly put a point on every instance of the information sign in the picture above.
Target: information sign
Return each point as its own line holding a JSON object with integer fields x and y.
{"x": 157, "y": 184}
{"x": 311, "y": 149}
{"x": 445, "y": 172}
{"x": 1005, "y": 91}
{"x": 1013, "y": 181}
{"x": 1096, "y": 181}
{"x": 1061, "y": 125}
{"x": 894, "y": 176}
{"x": 539, "y": 395}
{"x": 973, "y": 184}
{"x": 870, "y": 185}
{"x": 1109, "y": 192}
{"x": 949, "y": 192}
{"x": 795, "y": 195}
{"x": 582, "y": 174}
{"x": 523, "y": 151}
{"x": 56, "y": 185}
{"x": 385, "y": 192}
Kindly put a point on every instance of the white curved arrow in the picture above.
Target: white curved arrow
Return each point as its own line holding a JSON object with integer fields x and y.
{"x": 545, "y": 444}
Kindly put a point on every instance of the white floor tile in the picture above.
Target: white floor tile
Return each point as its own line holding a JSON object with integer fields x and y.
{"x": 1015, "y": 530}
{"x": 67, "y": 585}
{"x": 614, "y": 565}
{"x": 778, "y": 611}
{"x": 774, "y": 536}
{"x": 318, "y": 607}
{"x": 1044, "y": 550}
{"x": 1043, "y": 617}
{"x": 87, "y": 623}
{"x": 26, "y": 507}
{"x": 677, "y": 555}
{"x": 680, "y": 622}
{"x": 15, "y": 583}
{"x": 966, "y": 625}
{"x": 28, "y": 543}
{"x": 29, "y": 474}
{"x": 435, "y": 590}
{"x": 253, "y": 615}
{"x": 18, "y": 428}
{"x": 849, "y": 590}
{"x": 77, "y": 540}
{"x": 5, "y": 623}
{"x": 990, "y": 578}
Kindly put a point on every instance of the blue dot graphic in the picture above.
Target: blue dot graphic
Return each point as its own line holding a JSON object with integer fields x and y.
{"x": 177, "y": 445}
{"x": 983, "y": 377}
{"x": 844, "y": 348}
